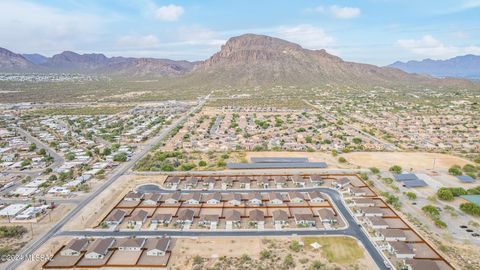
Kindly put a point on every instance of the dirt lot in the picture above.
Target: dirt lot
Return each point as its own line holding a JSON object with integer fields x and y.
{"x": 49, "y": 248}
{"x": 92, "y": 214}
{"x": 250, "y": 253}
{"x": 412, "y": 160}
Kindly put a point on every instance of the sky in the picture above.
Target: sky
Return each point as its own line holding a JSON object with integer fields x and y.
{"x": 378, "y": 32}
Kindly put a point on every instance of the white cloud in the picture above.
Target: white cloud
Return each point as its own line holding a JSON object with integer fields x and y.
{"x": 338, "y": 11}
{"x": 306, "y": 35}
{"x": 139, "y": 42}
{"x": 169, "y": 13}
{"x": 345, "y": 12}
{"x": 431, "y": 47}
{"x": 199, "y": 35}
{"x": 25, "y": 25}
{"x": 470, "y": 4}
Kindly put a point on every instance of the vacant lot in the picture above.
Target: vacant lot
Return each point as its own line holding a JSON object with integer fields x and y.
{"x": 342, "y": 250}
{"x": 410, "y": 160}
{"x": 268, "y": 253}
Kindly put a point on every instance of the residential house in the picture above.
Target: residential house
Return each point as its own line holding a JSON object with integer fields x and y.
{"x": 316, "y": 180}
{"x": 157, "y": 246}
{"x": 391, "y": 235}
{"x": 115, "y": 217}
{"x": 254, "y": 198}
{"x": 227, "y": 182}
{"x": 214, "y": 198}
{"x": 263, "y": 182}
{"x": 245, "y": 182}
{"x": 296, "y": 197}
{"x": 99, "y": 248}
{"x": 163, "y": 219}
{"x": 133, "y": 196}
{"x": 401, "y": 250}
{"x": 74, "y": 247}
{"x": 298, "y": 181}
{"x": 172, "y": 182}
{"x": 304, "y": 219}
{"x": 174, "y": 198}
{"x": 185, "y": 216}
{"x": 131, "y": 244}
{"x": 257, "y": 218}
{"x": 376, "y": 223}
{"x": 209, "y": 182}
{"x": 316, "y": 197}
{"x": 209, "y": 220}
{"x": 357, "y": 192}
{"x": 327, "y": 216}
{"x": 275, "y": 198}
{"x": 341, "y": 183}
{"x": 151, "y": 198}
{"x": 191, "y": 182}
{"x": 232, "y": 218}
{"x": 280, "y": 217}
{"x": 370, "y": 211}
{"x": 280, "y": 181}
{"x": 363, "y": 202}
{"x": 233, "y": 199}
{"x": 193, "y": 198}
{"x": 138, "y": 218}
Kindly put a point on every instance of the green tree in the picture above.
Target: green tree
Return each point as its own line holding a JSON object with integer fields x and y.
{"x": 374, "y": 170}
{"x": 470, "y": 208}
{"x": 120, "y": 157}
{"x": 411, "y": 195}
{"x": 342, "y": 160}
{"x": 288, "y": 262}
{"x": 202, "y": 163}
{"x": 396, "y": 169}
{"x": 357, "y": 140}
{"x": 445, "y": 194}
{"x": 295, "y": 246}
{"x": 32, "y": 147}
{"x": 69, "y": 156}
{"x": 431, "y": 211}
{"x": 455, "y": 170}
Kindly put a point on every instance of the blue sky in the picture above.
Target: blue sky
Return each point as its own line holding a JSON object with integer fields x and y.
{"x": 370, "y": 31}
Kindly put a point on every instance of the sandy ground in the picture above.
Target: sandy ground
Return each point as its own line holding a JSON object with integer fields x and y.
{"x": 49, "y": 249}
{"x": 212, "y": 248}
{"x": 95, "y": 211}
{"x": 407, "y": 160}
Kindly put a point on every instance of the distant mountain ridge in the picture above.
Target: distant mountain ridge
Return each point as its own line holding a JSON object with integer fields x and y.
{"x": 244, "y": 61}
{"x": 467, "y": 66}
{"x": 258, "y": 60}
{"x": 12, "y": 62}
{"x": 71, "y": 62}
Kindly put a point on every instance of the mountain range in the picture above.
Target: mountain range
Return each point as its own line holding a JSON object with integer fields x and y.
{"x": 246, "y": 60}
{"x": 467, "y": 66}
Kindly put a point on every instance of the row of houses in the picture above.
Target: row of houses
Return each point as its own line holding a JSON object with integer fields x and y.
{"x": 100, "y": 247}
{"x": 256, "y": 218}
{"x": 246, "y": 182}
{"x": 233, "y": 199}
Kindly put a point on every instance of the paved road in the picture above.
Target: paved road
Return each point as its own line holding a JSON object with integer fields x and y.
{"x": 58, "y": 160}
{"x": 352, "y": 228}
{"x": 121, "y": 170}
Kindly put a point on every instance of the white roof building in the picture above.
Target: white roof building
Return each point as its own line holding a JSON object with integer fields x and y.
{"x": 13, "y": 209}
